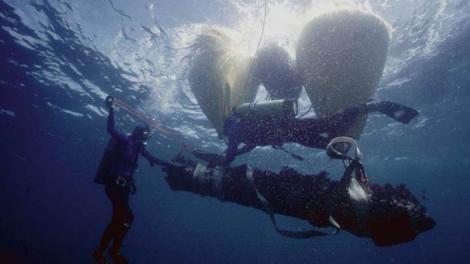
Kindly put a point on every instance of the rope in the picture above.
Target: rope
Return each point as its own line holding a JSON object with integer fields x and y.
{"x": 149, "y": 121}
{"x": 262, "y": 29}
{"x": 250, "y": 69}
{"x": 152, "y": 123}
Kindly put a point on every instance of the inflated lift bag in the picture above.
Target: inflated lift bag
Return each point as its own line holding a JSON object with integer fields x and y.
{"x": 341, "y": 56}
{"x": 220, "y": 75}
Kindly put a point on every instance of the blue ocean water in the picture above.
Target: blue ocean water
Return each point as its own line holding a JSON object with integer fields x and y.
{"x": 59, "y": 59}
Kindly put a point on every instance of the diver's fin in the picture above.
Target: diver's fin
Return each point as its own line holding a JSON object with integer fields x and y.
{"x": 399, "y": 112}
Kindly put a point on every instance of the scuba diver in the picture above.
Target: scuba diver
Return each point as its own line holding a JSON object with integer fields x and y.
{"x": 274, "y": 123}
{"x": 115, "y": 172}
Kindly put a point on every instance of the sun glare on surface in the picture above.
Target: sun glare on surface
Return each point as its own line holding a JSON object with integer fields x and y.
{"x": 283, "y": 23}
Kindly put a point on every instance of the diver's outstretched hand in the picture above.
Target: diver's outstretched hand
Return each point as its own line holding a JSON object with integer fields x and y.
{"x": 160, "y": 163}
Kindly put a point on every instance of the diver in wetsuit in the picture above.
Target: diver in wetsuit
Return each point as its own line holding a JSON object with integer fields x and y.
{"x": 116, "y": 174}
{"x": 276, "y": 130}
{"x": 281, "y": 80}
{"x": 274, "y": 70}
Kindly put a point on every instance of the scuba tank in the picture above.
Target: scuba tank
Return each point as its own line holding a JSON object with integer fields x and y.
{"x": 102, "y": 175}
{"x": 276, "y": 108}
{"x": 105, "y": 174}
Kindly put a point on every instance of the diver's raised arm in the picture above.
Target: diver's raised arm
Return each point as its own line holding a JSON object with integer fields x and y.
{"x": 111, "y": 122}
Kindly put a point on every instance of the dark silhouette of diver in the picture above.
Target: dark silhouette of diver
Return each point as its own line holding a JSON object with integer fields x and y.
{"x": 275, "y": 130}
{"x": 273, "y": 69}
{"x": 115, "y": 172}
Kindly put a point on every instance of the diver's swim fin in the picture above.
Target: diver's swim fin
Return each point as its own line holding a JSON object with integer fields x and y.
{"x": 399, "y": 112}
